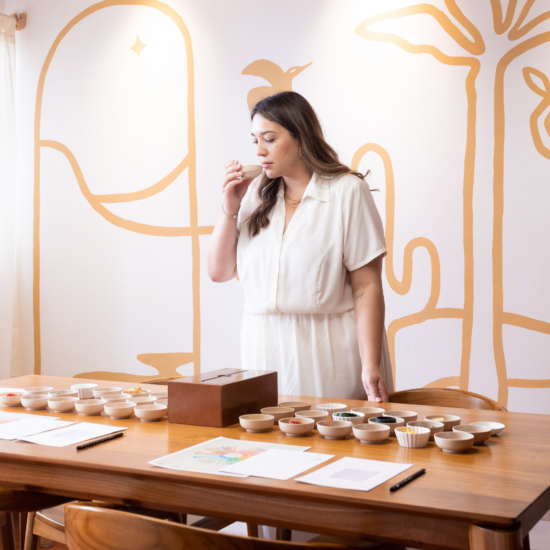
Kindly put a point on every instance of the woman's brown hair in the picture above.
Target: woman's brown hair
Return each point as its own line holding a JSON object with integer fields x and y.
{"x": 293, "y": 112}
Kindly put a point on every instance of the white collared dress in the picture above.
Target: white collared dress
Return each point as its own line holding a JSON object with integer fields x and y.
{"x": 299, "y": 315}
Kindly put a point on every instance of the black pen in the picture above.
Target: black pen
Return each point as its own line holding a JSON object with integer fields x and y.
{"x": 407, "y": 480}
{"x": 99, "y": 441}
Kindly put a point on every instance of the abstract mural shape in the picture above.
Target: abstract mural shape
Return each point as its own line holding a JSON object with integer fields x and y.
{"x": 475, "y": 46}
{"x": 279, "y": 81}
{"x": 138, "y": 46}
{"x": 97, "y": 201}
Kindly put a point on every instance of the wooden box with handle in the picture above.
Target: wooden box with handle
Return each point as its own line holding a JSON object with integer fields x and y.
{"x": 216, "y": 399}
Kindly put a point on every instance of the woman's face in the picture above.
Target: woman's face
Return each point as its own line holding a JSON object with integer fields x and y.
{"x": 277, "y": 150}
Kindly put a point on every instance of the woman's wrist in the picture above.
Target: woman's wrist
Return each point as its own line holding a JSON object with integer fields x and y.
{"x": 370, "y": 368}
{"x": 228, "y": 213}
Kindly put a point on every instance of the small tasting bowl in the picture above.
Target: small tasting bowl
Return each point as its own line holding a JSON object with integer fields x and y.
{"x": 317, "y": 416}
{"x": 120, "y": 409}
{"x": 37, "y": 389}
{"x": 369, "y": 412}
{"x": 480, "y": 433}
{"x": 141, "y": 393}
{"x": 255, "y": 423}
{"x": 414, "y": 437}
{"x": 296, "y": 405}
{"x": 353, "y": 417}
{"x": 296, "y": 430}
{"x": 160, "y": 394}
{"x": 35, "y": 402}
{"x": 434, "y": 427}
{"x": 11, "y": 400}
{"x": 251, "y": 170}
{"x": 89, "y": 407}
{"x": 496, "y": 427}
{"x": 454, "y": 442}
{"x": 332, "y": 407}
{"x": 340, "y": 429}
{"x": 407, "y": 416}
{"x": 449, "y": 420}
{"x": 144, "y": 400}
{"x": 116, "y": 397}
{"x": 62, "y": 404}
{"x": 63, "y": 393}
{"x": 150, "y": 413}
{"x": 278, "y": 412}
{"x": 371, "y": 433}
{"x": 162, "y": 402}
{"x": 387, "y": 421}
{"x": 100, "y": 392}
{"x": 85, "y": 391}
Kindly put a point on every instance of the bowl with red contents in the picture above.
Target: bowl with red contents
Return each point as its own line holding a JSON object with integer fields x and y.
{"x": 10, "y": 399}
{"x": 296, "y": 427}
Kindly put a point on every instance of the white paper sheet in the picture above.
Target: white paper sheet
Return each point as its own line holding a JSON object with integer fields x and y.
{"x": 16, "y": 425}
{"x": 356, "y": 474}
{"x": 209, "y": 457}
{"x": 277, "y": 464}
{"x": 78, "y": 432}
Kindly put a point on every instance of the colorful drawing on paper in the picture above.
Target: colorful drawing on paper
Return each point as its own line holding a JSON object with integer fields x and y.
{"x": 226, "y": 456}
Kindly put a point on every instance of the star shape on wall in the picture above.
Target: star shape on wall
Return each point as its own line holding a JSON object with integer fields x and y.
{"x": 138, "y": 46}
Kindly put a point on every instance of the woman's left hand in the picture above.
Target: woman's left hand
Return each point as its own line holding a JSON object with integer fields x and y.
{"x": 374, "y": 385}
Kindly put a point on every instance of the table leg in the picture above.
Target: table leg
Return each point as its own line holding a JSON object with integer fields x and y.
{"x": 22, "y": 529}
{"x": 487, "y": 538}
{"x": 7, "y": 532}
{"x": 252, "y": 530}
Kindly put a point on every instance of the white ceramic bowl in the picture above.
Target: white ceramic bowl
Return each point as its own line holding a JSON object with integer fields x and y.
{"x": 144, "y": 400}
{"x": 296, "y": 405}
{"x": 255, "y": 423}
{"x": 162, "y": 402}
{"x": 63, "y": 393}
{"x": 89, "y": 407}
{"x": 331, "y": 408}
{"x": 340, "y": 429}
{"x": 150, "y": 413}
{"x": 278, "y": 412}
{"x": 119, "y": 409}
{"x": 399, "y": 422}
{"x": 11, "y": 400}
{"x": 407, "y": 416}
{"x": 480, "y": 433}
{"x": 116, "y": 397}
{"x": 251, "y": 171}
{"x": 100, "y": 392}
{"x": 160, "y": 394}
{"x": 358, "y": 419}
{"x": 454, "y": 442}
{"x": 496, "y": 427}
{"x": 134, "y": 393}
{"x": 296, "y": 430}
{"x": 317, "y": 416}
{"x": 35, "y": 402}
{"x": 369, "y": 412}
{"x": 371, "y": 433}
{"x": 62, "y": 404}
{"x": 449, "y": 421}
{"x": 434, "y": 427}
{"x": 85, "y": 391}
{"x": 414, "y": 437}
{"x": 37, "y": 389}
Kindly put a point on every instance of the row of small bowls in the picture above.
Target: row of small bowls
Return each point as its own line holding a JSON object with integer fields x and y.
{"x": 380, "y": 425}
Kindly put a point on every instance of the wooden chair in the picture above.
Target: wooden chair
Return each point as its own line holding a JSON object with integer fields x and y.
{"x": 95, "y": 527}
{"x": 21, "y": 502}
{"x": 445, "y": 397}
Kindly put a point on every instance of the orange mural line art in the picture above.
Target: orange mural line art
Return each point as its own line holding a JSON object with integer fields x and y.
{"x": 279, "y": 81}
{"x": 430, "y": 311}
{"x": 528, "y": 73}
{"x": 167, "y": 363}
{"x": 499, "y": 316}
{"x": 499, "y": 24}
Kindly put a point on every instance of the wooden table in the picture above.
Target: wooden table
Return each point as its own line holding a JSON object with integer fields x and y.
{"x": 489, "y": 497}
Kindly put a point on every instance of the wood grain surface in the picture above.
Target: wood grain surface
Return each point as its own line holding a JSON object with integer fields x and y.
{"x": 504, "y": 484}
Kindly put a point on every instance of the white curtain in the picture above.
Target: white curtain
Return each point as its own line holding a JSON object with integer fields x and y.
{"x": 9, "y": 365}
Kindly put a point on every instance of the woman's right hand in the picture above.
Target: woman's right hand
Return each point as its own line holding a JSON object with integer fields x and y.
{"x": 233, "y": 187}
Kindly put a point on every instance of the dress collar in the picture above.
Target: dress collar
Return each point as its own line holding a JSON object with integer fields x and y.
{"x": 317, "y": 188}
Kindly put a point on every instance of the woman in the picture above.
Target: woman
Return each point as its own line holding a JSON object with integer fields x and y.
{"x": 307, "y": 243}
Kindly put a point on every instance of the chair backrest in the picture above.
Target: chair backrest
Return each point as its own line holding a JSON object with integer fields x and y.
{"x": 445, "y": 397}
{"x": 91, "y": 526}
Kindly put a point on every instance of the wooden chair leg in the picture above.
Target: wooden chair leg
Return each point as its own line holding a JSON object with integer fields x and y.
{"x": 284, "y": 534}
{"x": 31, "y": 540}
{"x": 7, "y": 532}
{"x": 252, "y": 530}
{"x": 526, "y": 543}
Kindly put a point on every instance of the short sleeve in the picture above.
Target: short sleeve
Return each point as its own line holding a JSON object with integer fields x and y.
{"x": 363, "y": 230}
{"x": 250, "y": 202}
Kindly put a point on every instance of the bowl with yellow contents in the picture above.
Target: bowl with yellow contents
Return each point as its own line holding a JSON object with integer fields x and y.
{"x": 414, "y": 437}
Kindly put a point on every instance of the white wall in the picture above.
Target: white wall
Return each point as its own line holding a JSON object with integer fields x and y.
{"x": 116, "y": 300}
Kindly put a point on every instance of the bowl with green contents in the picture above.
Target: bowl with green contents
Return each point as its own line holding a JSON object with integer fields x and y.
{"x": 353, "y": 417}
